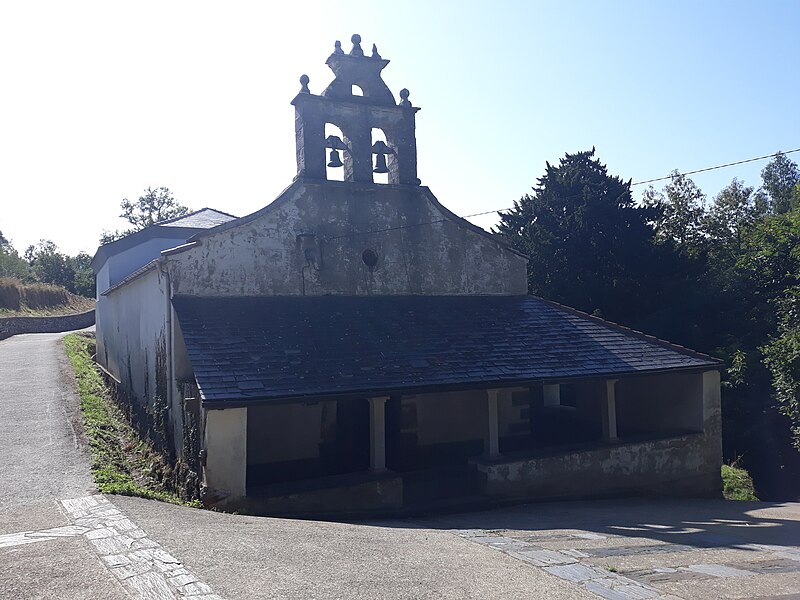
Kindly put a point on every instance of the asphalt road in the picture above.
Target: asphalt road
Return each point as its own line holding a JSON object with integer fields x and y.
{"x": 43, "y": 459}
{"x": 117, "y": 547}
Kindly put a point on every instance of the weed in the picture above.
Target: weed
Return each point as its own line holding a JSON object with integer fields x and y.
{"x": 122, "y": 463}
{"x": 737, "y": 483}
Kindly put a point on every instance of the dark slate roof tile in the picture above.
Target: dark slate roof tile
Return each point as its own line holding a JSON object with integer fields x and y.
{"x": 330, "y": 345}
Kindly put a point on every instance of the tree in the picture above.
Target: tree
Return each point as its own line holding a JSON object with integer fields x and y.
{"x": 11, "y": 264}
{"x": 84, "y": 282}
{"x": 782, "y": 358}
{"x": 779, "y": 179}
{"x": 590, "y": 244}
{"x": 154, "y": 206}
{"x": 735, "y": 209}
{"x": 48, "y": 265}
{"x": 680, "y": 214}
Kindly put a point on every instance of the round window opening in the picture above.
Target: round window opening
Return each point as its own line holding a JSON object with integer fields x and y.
{"x": 369, "y": 257}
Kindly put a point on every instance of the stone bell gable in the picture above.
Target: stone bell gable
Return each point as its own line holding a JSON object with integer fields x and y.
{"x": 356, "y": 116}
{"x": 344, "y": 233}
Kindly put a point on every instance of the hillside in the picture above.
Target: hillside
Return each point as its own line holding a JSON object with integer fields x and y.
{"x": 32, "y": 299}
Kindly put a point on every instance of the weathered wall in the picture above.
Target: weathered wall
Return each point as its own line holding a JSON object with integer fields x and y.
{"x": 672, "y": 466}
{"x": 659, "y": 403}
{"x": 14, "y": 325}
{"x": 264, "y": 256}
{"x": 124, "y": 263}
{"x": 283, "y": 433}
{"x": 685, "y": 465}
{"x": 131, "y": 333}
{"x": 344, "y": 495}
{"x": 451, "y": 417}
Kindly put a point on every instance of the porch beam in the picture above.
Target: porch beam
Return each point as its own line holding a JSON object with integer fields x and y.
{"x": 493, "y": 437}
{"x": 610, "y": 412}
{"x": 377, "y": 434}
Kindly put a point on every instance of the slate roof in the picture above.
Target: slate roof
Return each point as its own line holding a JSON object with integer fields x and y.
{"x": 246, "y": 350}
{"x": 205, "y": 218}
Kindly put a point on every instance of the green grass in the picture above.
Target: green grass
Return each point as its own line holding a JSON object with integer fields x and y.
{"x": 122, "y": 463}
{"x": 736, "y": 483}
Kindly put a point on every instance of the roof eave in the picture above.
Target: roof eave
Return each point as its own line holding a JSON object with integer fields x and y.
{"x": 452, "y": 387}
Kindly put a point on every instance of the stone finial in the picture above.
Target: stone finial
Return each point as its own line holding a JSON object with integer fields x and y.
{"x": 404, "y": 93}
{"x": 304, "y": 84}
{"x": 356, "y": 51}
{"x": 337, "y": 47}
{"x": 375, "y": 52}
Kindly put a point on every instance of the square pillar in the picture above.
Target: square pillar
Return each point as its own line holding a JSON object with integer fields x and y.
{"x": 226, "y": 452}
{"x": 377, "y": 434}
{"x": 492, "y": 447}
{"x": 551, "y": 394}
{"x": 609, "y": 411}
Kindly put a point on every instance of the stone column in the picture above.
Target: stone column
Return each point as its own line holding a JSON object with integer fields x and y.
{"x": 610, "y": 412}
{"x": 492, "y": 448}
{"x": 712, "y": 417}
{"x": 551, "y": 393}
{"x": 226, "y": 452}
{"x": 377, "y": 434}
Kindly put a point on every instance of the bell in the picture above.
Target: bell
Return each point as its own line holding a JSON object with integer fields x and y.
{"x": 335, "y": 160}
{"x": 380, "y": 164}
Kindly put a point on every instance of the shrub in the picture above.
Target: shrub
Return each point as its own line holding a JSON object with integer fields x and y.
{"x": 40, "y": 295}
{"x": 737, "y": 483}
{"x": 10, "y": 294}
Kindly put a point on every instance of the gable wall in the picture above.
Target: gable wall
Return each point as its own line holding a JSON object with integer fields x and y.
{"x": 266, "y": 257}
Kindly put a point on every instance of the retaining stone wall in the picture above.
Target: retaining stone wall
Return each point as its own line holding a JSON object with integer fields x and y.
{"x": 13, "y": 325}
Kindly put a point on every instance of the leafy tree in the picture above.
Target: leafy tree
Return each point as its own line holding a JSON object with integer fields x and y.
{"x": 590, "y": 244}
{"x": 11, "y": 264}
{"x": 782, "y": 358}
{"x": 779, "y": 179}
{"x": 735, "y": 209}
{"x": 84, "y": 282}
{"x": 680, "y": 214}
{"x": 154, "y": 206}
{"x": 48, "y": 265}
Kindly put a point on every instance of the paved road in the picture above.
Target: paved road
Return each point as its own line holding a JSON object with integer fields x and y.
{"x": 42, "y": 460}
{"x": 60, "y": 539}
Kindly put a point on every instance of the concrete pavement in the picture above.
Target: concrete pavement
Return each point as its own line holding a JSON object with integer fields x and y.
{"x": 59, "y": 539}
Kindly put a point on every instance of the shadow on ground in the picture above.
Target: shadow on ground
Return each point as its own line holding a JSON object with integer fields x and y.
{"x": 698, "y": 523}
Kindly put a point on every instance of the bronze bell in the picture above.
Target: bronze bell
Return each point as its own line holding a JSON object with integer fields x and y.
{"x": 380, "y": 164}
{"x": 335, "y": 160}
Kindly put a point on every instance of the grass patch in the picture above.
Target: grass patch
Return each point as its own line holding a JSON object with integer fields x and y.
{"x": 122, "y": 463}
{"x": 737, "y": 483}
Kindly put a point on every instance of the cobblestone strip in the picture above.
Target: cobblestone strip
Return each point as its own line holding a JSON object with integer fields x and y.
{"x": 141, "y": 565}
{"x": 565, "y": 565}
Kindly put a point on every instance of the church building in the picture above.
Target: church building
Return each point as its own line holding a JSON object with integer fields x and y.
{"x": 355, "y": 346}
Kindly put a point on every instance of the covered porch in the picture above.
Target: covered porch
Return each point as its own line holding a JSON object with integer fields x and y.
{"x": 397, "y": 401}
{"x": 645, "y": 434}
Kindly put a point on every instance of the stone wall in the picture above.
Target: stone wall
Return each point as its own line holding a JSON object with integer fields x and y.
{"x": 56, "y": 324}
{"x": 677, "y": 466}
{"x": 350, "y": 240}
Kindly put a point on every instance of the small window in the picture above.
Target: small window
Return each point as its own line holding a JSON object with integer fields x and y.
{"x": 356, "y": 90}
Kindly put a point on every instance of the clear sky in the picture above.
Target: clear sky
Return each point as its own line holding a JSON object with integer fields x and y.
{"x": 101, "y": 100}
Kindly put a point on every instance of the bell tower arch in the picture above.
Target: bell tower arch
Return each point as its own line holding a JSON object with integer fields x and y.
{"x": 356, "y": 115}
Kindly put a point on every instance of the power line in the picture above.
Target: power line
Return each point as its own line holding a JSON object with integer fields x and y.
{"x": 738, "y": 162}
{"x": 488, "y": 212}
